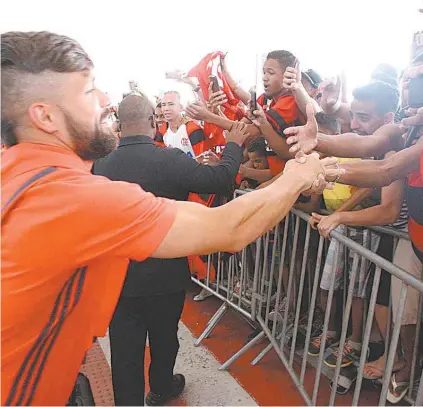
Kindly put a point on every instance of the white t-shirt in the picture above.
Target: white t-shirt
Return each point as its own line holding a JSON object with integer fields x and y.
{"x": 179, "y": 139}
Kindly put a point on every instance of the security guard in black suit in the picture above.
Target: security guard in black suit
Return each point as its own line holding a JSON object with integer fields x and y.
{"x": 153, "y": 295}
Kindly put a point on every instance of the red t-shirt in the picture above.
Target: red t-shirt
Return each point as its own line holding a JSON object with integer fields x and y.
{"x": 281, "y": 114}
{"x": 65, "y": 249}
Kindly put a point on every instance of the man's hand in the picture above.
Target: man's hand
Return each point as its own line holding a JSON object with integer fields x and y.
{"x": 292, "y": 78}
{"x": 209, "y": 158}
{"x": 258, "y": 117}
{"x": 415, "y": 119}
{"x": 331, "y": 95}
{"x": 318, "y": 173}
{"x": 238, "y": 133}
{"x": 197, "y": 111}
{"x": 303, "y": 138}
{"x": 216, "y": 99}
{"x": 326, "y": 223}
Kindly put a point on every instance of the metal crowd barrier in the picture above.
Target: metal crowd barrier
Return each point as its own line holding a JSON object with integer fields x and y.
{"x": 274, "y": 283}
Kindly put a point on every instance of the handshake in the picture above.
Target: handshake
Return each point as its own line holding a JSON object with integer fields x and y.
{"x": 314, "y": 173}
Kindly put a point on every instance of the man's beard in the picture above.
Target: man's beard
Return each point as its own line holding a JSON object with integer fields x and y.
{"x": 90, "y": 145}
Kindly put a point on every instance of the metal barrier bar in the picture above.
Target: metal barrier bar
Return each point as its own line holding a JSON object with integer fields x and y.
{"x": 345, "y": 322}
{"x": 366, "y": 338}
{"x": 312, "y": 307}
{"x": 393, "y": 346}
{"x": 324, "y": 333}
{"x": 269, "y": 291}
{"x": 300, "y": 295}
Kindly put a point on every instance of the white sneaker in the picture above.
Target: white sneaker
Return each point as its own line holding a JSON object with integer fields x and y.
{"x": 203, "y": 295}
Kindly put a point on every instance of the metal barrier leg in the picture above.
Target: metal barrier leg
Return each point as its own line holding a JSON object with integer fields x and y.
{"x": 244, "y": 349}
{"x": 264, "y": 352}
{"x": 212, "y": 323}
{"x": 393, "y": 346}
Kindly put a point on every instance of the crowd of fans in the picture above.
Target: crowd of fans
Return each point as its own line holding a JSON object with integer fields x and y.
{"x": 200, "y": 129}
{"x": 297, "y": 111}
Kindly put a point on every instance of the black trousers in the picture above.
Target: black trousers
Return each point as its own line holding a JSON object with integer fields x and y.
{"x": 134, "y": 317}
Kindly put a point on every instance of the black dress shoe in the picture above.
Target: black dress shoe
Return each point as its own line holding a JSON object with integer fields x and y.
{"x": 178, "y": 385}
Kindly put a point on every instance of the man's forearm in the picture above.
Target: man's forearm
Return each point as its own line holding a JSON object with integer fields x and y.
{"x": 351, "y": 145}
{"x": 204, "y": 179}
{"x": 276, "y": 142}
{"x": 258, "y": 175}
{"x": 255, "y": 213}
{"x": 372, "y": 173}
{"x": 227, "y": 124}
{"x": 200, "y": 230}
{"x": 241, "y": 93}
{"x": 302, "y": 98}
{"x": 375, "y": 216}
{"x": 357, "y": 197}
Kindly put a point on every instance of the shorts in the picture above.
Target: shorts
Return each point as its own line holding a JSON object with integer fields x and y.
{"x": 385, "y": 250}
{"x": 361, "y": 236}
{"x": 406, "y": 258}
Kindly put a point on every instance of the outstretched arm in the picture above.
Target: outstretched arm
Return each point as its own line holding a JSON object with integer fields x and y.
{"x": 371, "y": 173}
{"x": 201, "y": 230}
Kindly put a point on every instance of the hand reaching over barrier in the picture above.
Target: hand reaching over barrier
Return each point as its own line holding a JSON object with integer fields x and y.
{"x": 232, "y": 226}
{"x": 303, "y": 138}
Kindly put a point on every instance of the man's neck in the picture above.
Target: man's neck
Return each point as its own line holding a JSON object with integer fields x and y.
{"x": 137, "y": 131}
{"x": 174, "y": 125}
{"x": 282, "y": 92}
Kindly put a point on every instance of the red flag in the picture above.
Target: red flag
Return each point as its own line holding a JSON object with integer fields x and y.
{"x": 211, "y": 64}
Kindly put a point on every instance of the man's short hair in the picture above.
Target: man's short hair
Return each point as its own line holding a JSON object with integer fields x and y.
{"x": 385, "y": 73}
{"x": 257, "y": 145}
{"x": 328, "y": 121}
{"x": 24, "y": 55}
{"x": 384, "y": 95}
{"x": 135, "y": 109}
{"x": 174, "y": 92}
{"x": 285, "y": 58}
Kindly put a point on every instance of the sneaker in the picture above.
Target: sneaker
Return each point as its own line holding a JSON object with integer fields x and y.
{"x": 316, "y": 342}
{"x": 349, "y": 356}
{"x": 203, "y": 295}
{"x": 178, "y": 385}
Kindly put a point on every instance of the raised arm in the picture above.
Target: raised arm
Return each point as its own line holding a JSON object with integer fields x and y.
{"x": 198, "y": 111}
{"x": 332, "y": 99}
{"x": 243, "y": 95}
{"x": 292, "y": 82}
{"x": 194, "y": 177}
{"x": 258, "y": 175}
{"x": 201, "y": 230}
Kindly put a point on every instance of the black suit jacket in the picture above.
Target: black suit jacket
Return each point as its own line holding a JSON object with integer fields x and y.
{"x": 168, "y": 173}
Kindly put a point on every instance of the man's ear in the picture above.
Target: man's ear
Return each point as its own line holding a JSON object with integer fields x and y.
{"x": 152, "y": 122}
{"x": 43, "y": 117}
{"x": 389, "y": 117}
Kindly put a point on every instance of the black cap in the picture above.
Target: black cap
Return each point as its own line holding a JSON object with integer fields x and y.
{"x": 313, "y": 77}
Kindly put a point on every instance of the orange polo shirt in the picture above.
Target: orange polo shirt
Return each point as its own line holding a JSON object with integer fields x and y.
{"x": 64, "y": 252}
